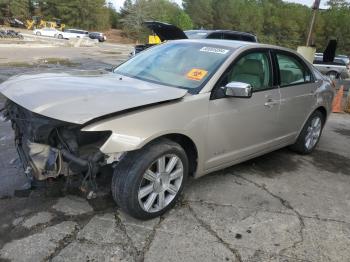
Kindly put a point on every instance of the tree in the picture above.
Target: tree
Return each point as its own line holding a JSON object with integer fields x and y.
{"x": 4, "y": 8}
{"x": 274, "y": 21}
{"x": 18, "y": 8}
{"x": 126, "y": 6}
{"x": 338, "y": 3}
{"x": 86, "y": 14}
{"x": 113, "y": 16}
{"x": 135, "y": 13}
{"x": 201, "y": 12}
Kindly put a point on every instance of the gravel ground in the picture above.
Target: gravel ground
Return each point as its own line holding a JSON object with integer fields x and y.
{"x": 278, "y": 207}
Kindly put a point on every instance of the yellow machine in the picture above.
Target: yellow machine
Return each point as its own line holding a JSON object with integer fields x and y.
{"x": 37, "y": 22}
{"x": 154, "y": 40}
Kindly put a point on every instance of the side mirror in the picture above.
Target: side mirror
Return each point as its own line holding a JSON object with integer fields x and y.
{"x": 238, "y": 89}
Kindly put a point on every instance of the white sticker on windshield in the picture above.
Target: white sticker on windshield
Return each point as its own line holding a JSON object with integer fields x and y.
{"x": 214, "y": 50}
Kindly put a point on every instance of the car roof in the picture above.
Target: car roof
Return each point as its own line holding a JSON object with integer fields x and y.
{"x": 234, "y": 44}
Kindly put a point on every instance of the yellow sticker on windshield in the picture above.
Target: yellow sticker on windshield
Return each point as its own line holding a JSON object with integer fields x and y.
{"x": 196, "y": 74}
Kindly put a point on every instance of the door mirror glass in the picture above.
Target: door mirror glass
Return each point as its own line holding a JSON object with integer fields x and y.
{"x": 238, "y": 89}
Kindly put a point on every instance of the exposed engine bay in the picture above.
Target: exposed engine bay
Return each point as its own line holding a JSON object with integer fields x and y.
{"x": 49, "y": 148}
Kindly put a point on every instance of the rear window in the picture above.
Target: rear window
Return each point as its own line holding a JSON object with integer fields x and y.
{"x": 216, "y": 35}
{"x": 196, "y": 35}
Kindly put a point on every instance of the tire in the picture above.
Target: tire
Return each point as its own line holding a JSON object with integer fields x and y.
{"x": 60, "y": 36}
{"x": 129, "y": 184}
{"x": 38, "y": 33}
{"x": 304, "y": 145}
{"x": 332, "y": 75}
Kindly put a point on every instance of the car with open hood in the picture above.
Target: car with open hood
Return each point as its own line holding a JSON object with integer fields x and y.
{"x": 165, "y": 32}
{"x": 183, "y": 108}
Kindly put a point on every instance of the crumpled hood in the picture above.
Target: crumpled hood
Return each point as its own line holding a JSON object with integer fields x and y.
{"x": 80, "y": 98}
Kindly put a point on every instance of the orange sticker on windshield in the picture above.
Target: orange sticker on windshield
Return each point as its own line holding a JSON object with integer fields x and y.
{"x": 196, "y": 74}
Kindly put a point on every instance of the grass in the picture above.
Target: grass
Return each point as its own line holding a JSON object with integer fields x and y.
{"x": 42, "y": 62}
{"x": 16, "y": 64}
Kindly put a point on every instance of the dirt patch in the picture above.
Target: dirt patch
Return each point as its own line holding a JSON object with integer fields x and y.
{"x": 343, "y": 132}
{"x": 116, "y": 36}
{"x": 272, "y": 164}
{"x": 330, "y": 162}
{"x": 41, "y": 62}
{"x": 111, "y": 52}
{"x": 57, "y": 61}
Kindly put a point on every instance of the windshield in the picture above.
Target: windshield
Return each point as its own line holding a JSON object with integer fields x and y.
{"x": 185, "y": 65}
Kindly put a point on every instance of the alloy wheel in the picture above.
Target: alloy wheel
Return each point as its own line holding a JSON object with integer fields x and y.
{"x": 332, "y": 75}
{"x": 161, "y": 183}
{"x": 313, "y": 133}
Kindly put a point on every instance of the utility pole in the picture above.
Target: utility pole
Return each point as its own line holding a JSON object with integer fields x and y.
{"x": 315, "y": 8}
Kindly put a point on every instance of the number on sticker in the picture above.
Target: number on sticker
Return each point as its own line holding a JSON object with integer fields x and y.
{"x": 214, "y": 50}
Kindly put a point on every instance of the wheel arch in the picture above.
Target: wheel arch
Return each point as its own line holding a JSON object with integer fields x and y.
{"x": 319, "y": 108}
{"x": 187, "y": 144}
{"x": 323, "y": 110}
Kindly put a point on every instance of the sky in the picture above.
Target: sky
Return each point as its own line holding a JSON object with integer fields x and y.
{"x": 119, "y": 3}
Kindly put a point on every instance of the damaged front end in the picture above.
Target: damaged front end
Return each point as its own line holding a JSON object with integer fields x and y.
{"x": 49, "y": 148}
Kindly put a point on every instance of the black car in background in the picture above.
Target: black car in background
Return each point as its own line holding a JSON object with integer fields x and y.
{"x": 170, "y": 32}
{"x": 221, "y": 34}
{"x": 99, "y": 36}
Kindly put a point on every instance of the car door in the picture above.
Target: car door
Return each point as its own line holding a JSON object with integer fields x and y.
{"x": 51, "y": 32}
{"x": 45, "y": 32}
{"x": 241, "y": 127}
{"x": 297, "y": 86}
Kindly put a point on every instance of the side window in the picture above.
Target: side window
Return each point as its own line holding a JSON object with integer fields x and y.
{"x": 253, "y": 68}
{"x": 215, "y": 36}
{"x": 248, "y": 38}
{"x": 231, "y": 36}
{"x": 292, "y": 71}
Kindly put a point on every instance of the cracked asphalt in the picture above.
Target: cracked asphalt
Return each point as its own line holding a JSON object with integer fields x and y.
{"x": 278, "y": 207}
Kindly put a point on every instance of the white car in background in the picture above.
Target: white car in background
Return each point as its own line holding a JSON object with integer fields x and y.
{"x": 51, "y": 32}
{"x": 73, "y": 33}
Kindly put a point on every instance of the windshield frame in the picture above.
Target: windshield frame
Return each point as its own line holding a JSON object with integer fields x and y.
{"x": 195, "y": 90}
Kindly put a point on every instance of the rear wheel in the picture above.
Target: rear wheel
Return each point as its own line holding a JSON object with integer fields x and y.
{"x": 38, "y": 33}
{"x": 60, "y": 36}
{"x": 333, "y": 75}
{"x": 148, "y": 182}
{"x": 310, "y": 134}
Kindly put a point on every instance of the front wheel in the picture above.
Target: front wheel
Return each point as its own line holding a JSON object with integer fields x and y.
{"x": 148, "y": 182}
{"x": 310, "y": 134}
